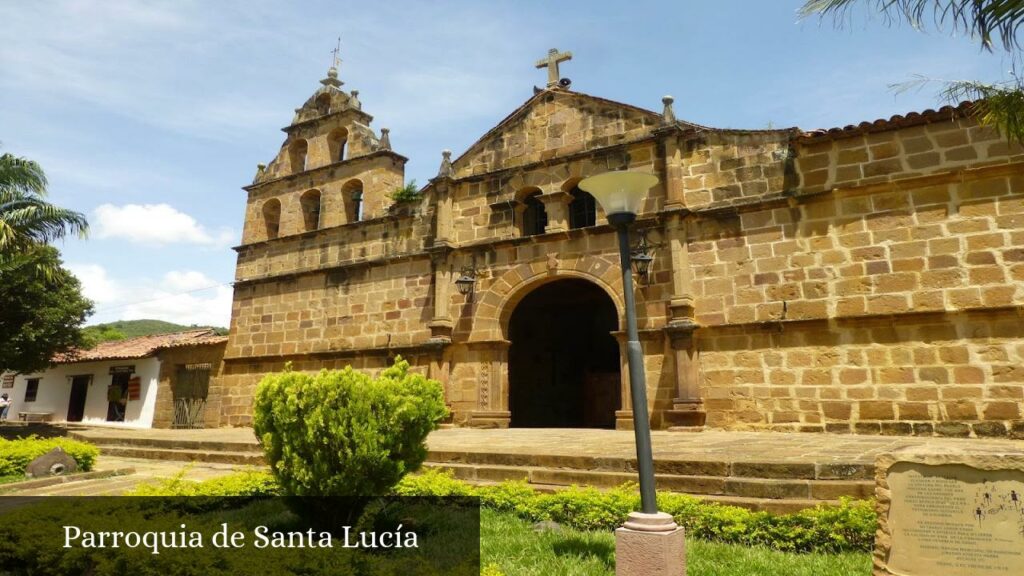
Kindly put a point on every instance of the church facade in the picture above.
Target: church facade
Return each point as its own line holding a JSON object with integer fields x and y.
{"x": 865, "y": 279}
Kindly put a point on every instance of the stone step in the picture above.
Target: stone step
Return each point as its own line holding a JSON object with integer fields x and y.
{"x": 39, "y": 483}
{"x": 719, "y": 468}
{"x": 184, "y": 455}
{"x": 743, "y": 487}
{"x": 168, "y": 444}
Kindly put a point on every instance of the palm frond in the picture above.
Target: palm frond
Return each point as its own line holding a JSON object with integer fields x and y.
{"x": 991, "y": 21}
{"x": 21, "y": 175}
{"x": 998, "y": 105}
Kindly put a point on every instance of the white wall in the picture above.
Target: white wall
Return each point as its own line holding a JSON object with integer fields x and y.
{"x": 55, "y": 392}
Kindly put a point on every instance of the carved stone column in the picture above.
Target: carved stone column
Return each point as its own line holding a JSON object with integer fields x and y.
{"x": 441, "y": 325}
{"x": 556, "y": 204}
{"x": 492, "y": 410}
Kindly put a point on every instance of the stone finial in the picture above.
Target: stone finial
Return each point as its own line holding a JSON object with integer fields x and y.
{"x": 354, "y": 100}
{"x": 446, "y": 170}
{"x": 332, "y": 78}
{"x": 260, "y": 169}
{"x": 668, "y": 116}
{"x": 385, "y": 139}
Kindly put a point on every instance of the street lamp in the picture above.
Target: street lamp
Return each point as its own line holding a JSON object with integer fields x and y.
{"x": 650, "y": 542}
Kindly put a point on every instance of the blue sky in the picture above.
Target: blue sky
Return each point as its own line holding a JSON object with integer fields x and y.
{"x": 150, "y": 116}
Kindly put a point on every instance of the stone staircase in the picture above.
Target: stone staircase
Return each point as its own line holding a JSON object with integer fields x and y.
{"x": 757, "y": 484}
{"x": 184, "y": 450}
{"x": 774, "y": 487}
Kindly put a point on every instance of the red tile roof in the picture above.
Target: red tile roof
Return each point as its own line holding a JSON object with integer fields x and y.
{"x": 141, "y": 346}
{"x": 944, "y": 114}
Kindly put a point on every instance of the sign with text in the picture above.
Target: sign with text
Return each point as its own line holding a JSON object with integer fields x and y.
{"x": 955, "y": 519}
{"x": 239, "y": 536}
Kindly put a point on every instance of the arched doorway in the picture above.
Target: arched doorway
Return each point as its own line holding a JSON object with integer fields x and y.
{"x": 564, "y": 369}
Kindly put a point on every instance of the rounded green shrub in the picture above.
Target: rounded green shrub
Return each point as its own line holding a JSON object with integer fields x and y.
{"x": 15, "y": 455}
{"x": 343, "y": 432}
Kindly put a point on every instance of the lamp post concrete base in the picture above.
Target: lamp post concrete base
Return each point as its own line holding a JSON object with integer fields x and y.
{"x": 650, "y": 545}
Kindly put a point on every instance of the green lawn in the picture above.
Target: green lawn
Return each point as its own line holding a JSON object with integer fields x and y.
{"x": 513, "y": 546}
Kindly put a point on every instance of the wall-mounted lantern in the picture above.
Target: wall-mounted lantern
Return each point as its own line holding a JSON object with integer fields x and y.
{"x": 466, "y": 281}
{"x": 642, "y": 256}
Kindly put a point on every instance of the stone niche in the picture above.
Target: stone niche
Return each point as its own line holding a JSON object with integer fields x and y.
{"x": 950, "y": 513}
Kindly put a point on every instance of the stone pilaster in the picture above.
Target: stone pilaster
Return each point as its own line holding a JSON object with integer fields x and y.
{"x": 688, "y": 405}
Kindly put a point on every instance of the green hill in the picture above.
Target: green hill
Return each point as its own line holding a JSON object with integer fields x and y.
{"x": 122, "y": 329}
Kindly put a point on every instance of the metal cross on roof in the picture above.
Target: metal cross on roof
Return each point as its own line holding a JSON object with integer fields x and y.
{"x": 336, "y": 51}
{"x": 551, "y": 63}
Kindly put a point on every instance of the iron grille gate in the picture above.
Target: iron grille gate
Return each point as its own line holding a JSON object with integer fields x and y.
{"x": 191, "y": 387}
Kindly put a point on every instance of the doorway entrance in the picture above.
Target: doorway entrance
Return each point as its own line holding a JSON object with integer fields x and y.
{"x": 564, "y": 369}
{"x": 76, "y": 404}
{"x": 117, "y": 396}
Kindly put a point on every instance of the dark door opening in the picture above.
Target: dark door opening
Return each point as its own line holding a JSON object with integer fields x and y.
{"x": 563, "y": 362}
{"x": 76, "y": 404}
{"x": 117, "y": 396}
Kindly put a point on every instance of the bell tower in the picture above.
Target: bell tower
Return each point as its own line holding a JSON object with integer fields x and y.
{"x": 332, "y": 169}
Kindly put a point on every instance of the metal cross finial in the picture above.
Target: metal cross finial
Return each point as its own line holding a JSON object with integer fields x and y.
{"x": 551, "y": 63}
{"x": 336, "y": 51}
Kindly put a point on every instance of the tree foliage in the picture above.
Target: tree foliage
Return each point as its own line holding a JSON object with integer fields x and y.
{"x": 991, "y": 22}
{"x": 41, "y": 312}
{"x": 27, "y": 221}
{"x": 95, "y": 335}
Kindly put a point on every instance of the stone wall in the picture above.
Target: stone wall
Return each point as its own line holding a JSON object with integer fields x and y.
{"x": 171, "y": 359}
{"x": 863, "y": 280}
{"x": 882, "y": 296}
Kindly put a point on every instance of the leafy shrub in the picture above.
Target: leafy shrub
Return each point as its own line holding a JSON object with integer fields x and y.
{"x": 343, "y": 432}
{"x": 849, "y": 526}
{"x": 407, "y": 193}
{"x": 15, "y": 455}
{"x": 246, "y": 483}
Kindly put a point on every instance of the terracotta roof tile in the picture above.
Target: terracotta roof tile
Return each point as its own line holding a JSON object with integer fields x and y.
{"x": 141, "y": 346}
{"x": 944, "y": 114}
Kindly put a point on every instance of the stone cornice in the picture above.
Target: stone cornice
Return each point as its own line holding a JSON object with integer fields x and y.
{"x": 292, "y": 127}
{"x": 429, "y": 346}
{"x": 319, "y": 169}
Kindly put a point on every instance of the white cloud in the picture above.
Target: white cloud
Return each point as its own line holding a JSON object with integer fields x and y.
{"x": 96, "y": 284}
{"x": 181, "y": 296}
{"x": 155, "y": 224}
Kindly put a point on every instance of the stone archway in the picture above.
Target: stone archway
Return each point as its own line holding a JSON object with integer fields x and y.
{"x": 563, "y": 361}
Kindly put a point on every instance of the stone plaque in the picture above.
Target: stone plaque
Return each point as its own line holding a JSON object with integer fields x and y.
{"x": 56, "y": 462}
{"x": 950, "y": 514}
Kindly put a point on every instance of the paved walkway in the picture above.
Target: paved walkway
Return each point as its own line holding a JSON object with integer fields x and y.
{"x": 146, "y": 471}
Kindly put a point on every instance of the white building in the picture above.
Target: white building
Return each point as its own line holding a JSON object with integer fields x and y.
{"x": 115, "y": 383}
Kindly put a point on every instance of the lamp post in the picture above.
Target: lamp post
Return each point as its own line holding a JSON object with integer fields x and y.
{"x": 650, "y": 542}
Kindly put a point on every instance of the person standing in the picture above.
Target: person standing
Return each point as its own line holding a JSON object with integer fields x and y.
{"x": 5, "y": 406}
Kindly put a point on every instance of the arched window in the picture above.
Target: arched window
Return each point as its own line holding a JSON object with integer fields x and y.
{"x": 535, "y": 218}
{"x": 297, "y": 155}
{"x": 352, "y": 193}
{"x": 310, "y": 203}
{"x": 272, "y": 217}
{"x": 336, "y": 141}
{"x": 582, "y": 209}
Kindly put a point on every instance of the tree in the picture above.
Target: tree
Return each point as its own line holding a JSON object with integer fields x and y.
{"x": 94, "y": 335}
{"x": 992, "y": 22}
{"x": 27, "y": 221}
{"x": 41, "y": 312}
